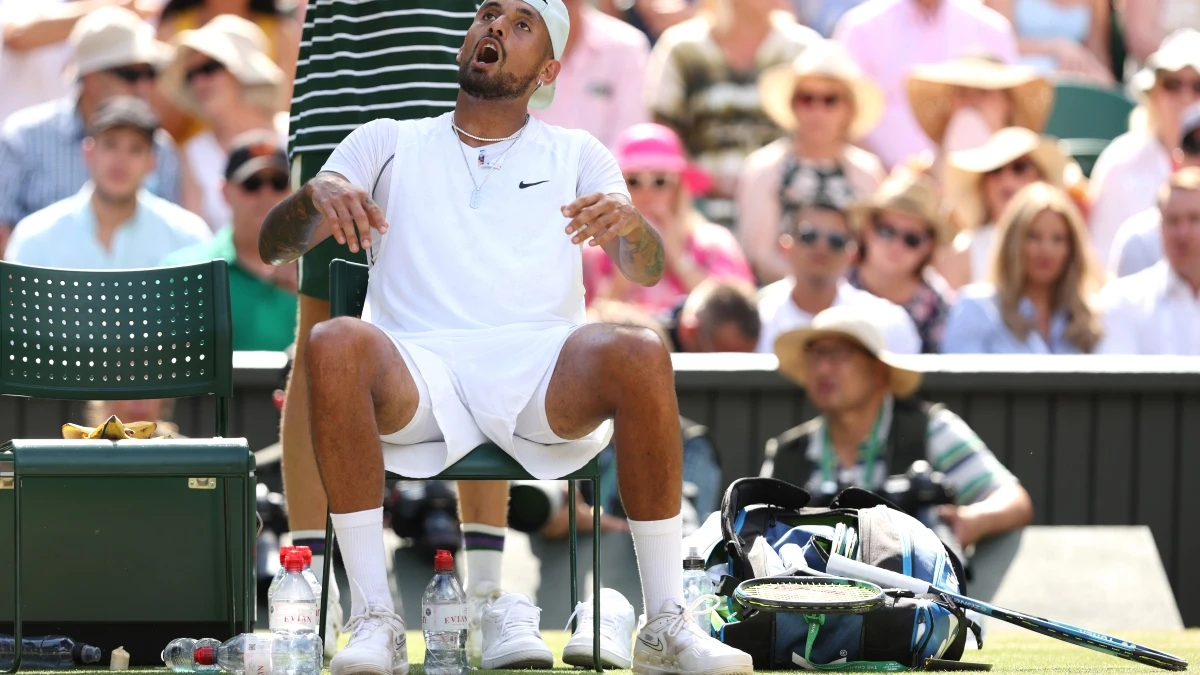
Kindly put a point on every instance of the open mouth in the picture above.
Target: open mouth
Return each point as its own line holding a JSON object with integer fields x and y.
{"x": 488, "y": 52}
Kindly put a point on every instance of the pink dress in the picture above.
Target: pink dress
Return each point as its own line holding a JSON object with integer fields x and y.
{"x": 713, "y": 248}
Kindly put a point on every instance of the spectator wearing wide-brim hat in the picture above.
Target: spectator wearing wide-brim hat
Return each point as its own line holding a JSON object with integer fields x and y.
{"x": 899, "y": 229}
{"x": 222, "y": 73}
{"x": 826, "y": 103}
{"x": 1128, "y": 173}
{"x": 960, "y": 103}
{"x": 978, "y": 185}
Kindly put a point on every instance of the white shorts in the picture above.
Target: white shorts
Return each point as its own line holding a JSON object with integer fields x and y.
{"x": 474, "y": 390}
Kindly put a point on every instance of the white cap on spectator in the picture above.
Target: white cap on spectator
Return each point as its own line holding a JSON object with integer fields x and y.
{"x": 1178, "y": 50}
{"x": 112, "y": 37}
{"x": 558, "y": 23}
{"x": 240, "y": 47}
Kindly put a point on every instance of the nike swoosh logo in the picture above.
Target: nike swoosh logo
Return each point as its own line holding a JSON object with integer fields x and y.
{"x": 524, "y": 185}
{"x": 657, "y": 645}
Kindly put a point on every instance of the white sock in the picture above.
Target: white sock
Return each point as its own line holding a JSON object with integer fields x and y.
{"x": 360, "y": 536}
{"x": 483, "y": 546}
{"x": 659, "y": 548}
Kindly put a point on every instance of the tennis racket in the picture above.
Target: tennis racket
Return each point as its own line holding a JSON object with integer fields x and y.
{"x": 1060, "y": 631}
{"x": 804, "y": 595}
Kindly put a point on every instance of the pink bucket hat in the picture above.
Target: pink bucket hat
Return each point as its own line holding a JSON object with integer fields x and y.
{"x": 654, "y": 147}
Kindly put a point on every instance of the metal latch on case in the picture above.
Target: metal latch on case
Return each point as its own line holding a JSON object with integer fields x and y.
{"x": 202, "y": 483}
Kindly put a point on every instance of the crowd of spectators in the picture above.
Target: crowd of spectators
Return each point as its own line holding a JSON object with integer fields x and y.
{"x": 794, "y": 154}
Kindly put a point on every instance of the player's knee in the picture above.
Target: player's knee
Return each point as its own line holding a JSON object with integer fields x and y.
{"x": 640, "y": 355}
{"x": 332, "y": 342}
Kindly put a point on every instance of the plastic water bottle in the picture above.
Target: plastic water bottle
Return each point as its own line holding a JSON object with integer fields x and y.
{"x": 46, "y": 653}
{"x": 249, "y": 654}
{"x": 283, "y": 551}
{"x": 309, "y": 575}
{"x": 696, "y": 583}
{"x": 293, "y": 608}
{"x": 444, "y": 620}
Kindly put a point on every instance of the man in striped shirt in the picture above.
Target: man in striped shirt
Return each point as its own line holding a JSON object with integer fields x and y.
{"x": 871, "y": 427}
{"x": 359, "y": 60}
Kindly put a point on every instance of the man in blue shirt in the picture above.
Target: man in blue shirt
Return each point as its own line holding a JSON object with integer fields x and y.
{"x": 113, "y": 222}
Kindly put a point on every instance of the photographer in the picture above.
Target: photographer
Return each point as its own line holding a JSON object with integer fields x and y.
{"x": 871, "y": 427}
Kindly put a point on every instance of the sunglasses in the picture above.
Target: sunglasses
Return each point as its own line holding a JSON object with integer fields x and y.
{"x": 278, "y": 182}
{"x": 1175, "y": 85}
{"x": 657, "y": 181}
{"x": 889, "y": 232}
{"x": 1021, "y": 167}
{"x": 134, "y": 74}
{"x": 206, "y": 68}
{"x": 810, "y": 100}
{"x": 809, "y": 234}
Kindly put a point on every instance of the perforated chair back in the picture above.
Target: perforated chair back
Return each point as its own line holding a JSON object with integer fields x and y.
{"x": 130, "y": 334}
{"x": 347, "y": 288}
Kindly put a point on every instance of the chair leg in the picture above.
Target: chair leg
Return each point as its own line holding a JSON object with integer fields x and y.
{"x": 574, "y": 536}
{"x": 16, "y": 665}
{"x": 325, "y": 575}
{"x": 596, "y": 574}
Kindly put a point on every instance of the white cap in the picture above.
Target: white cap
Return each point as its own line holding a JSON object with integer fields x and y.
{"x": 558, "y": 22}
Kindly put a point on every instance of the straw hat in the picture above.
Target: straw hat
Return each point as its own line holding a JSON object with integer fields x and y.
{"x": 931, "y": 87}
{"x": 238, "y": 45}
{"x": 907, "y": 192}
{"x": 829, "y": 59}
{"x": 112, "y": 37}
{"x": 965, "y": 168}
{"x": 1178, "y": 50}
{"x": 654, "y": 147}
{"x": 844, "y": 321}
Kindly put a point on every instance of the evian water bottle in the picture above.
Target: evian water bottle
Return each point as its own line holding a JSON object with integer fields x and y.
{"x": 252, "y": 654}
{"x": 444, "y": 620}
{"x": 294, "y": 607}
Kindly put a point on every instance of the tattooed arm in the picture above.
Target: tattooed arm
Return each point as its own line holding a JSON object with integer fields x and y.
{"x": 328, "y": 205}
{"x": 611, "y": 221}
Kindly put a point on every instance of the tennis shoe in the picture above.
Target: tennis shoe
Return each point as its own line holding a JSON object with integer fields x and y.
{"x": 512, "y": 638}
{"x": 477, "y": 601}
{"x": 377, "y": 645}
{"x": 617, "y": 623}
{"x": 672, "y": 643}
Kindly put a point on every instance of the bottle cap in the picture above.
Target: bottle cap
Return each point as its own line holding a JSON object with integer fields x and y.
{"x": 693, "y": 561}
{"x": 294, "y": 561}
{"x": 283, "y": 551}
{"x": 443, "y": 561}
{"x": 205, "y": 656}
{"x": 307, "y": 553}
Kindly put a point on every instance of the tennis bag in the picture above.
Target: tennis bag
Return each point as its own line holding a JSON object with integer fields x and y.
{"x": 766, "y": 529}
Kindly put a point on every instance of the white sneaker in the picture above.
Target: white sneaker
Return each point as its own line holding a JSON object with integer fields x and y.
{"x": 673, "y": 643}
{"x": 377, "y": 646}
{"x": 617, "y": 623}
{"x": 477, "y": 600}
{"x": 333, "y": 618}
{"x": 511, "y": 635}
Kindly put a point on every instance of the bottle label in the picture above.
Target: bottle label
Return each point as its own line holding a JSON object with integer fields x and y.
{"x": 293, "y": 616}
{"x": 256, "y": 655}
{"x": 444, "y": 617}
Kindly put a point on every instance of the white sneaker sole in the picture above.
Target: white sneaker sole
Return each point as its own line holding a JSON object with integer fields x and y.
{"x": 581, "y": 656}
{"x": 673, "y": 669}
{"x": 526, "y": 659}
{"x": 367, "y": 669}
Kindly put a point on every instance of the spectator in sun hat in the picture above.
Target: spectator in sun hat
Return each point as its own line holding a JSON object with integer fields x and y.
{"x": 979, "y": 183}
{"x": 115, "y": 54}
{"x": 899, "y": 228}
{"x": 826, "y": 103}
{"x": 112, "y": 222}
{"x": 222, "y": 74}
{"x": 1138, "y": 242}
{"x": 1128, "y": 173}
{"x": 263, "y": 296}
{"x": 663, "y": 184}
{"x": 871, "y": 417}
{"x": 961, "y": 102}
{"x": 888, "y": 38}
{"x": 819, "y": 243}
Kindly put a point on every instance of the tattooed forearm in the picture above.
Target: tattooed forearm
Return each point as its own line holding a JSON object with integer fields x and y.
{"x": 641, "y": 257}
{"x": 288, "y": 229}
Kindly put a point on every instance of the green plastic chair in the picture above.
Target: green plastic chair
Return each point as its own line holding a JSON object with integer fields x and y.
{"x": 119, "y": 335}
{"x": 1087, "y": 118}
{"x": 347, "y": 295}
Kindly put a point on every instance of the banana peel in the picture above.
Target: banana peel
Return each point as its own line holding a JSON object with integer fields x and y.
{"x": 112, "y": 429}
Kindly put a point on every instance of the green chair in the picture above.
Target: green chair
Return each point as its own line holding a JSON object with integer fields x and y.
{"x": 133, "y": 542}
{"x": 347, "y": 295}
{"x": 1086, "y": 118}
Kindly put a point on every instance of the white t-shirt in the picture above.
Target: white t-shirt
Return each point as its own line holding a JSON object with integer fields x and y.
{"x": 1137, "y": 244}
{"x": 779, "y": 314}
{"x": 1151, "y": 312}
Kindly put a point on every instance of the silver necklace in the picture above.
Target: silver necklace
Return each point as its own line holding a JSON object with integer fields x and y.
{"x": 496, "y": 162}
{"x": 481, "y": 139}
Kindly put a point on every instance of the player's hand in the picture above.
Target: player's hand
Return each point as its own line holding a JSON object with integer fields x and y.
{"x": 600, "y": 218}
{"x": 349, "y": 211}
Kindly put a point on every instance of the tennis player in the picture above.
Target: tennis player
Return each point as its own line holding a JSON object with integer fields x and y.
{"x": 474, "y": 330}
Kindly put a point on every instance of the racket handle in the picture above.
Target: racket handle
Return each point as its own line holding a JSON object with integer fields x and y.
{"x": 840, "y": 565}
